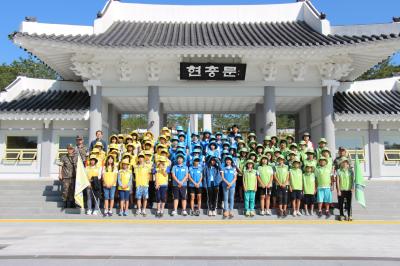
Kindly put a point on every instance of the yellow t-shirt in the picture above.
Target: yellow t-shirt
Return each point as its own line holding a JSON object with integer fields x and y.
{"x": 142, "y": 175}
{"x": 125, "y": 176}
{"x": 92, "y": 172}
{"x": 110, "y": 177}
{"x": 162, "y": 179}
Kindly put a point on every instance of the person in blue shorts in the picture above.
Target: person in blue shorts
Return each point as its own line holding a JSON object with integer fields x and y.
{"x": 180, "y": 174}
{"x": 195, "y": 186}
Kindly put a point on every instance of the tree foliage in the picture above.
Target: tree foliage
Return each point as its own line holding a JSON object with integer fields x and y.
{"x": 28, "y": 67}
{"x": 385, "y": 69}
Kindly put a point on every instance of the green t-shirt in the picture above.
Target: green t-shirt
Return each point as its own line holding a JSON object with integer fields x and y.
{"x": 323, "y": 175}
{"x": 250, "y": 179}
{"x": 309, "y": 183}
{"x": 281, "y": 173}
{"x": 296, "y": 179}
{"x": 266, "y": 173}
{"x": 345, "y": 179}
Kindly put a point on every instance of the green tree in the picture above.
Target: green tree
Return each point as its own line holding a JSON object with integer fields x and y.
{"x": 385, "y": 69}
{"x": 28, "y": 67}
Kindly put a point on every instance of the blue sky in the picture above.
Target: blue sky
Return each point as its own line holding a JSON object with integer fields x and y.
{"x": 83, "y": 12}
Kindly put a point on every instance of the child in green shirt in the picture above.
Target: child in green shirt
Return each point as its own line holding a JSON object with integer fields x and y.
{"x": 250, "y": 176}
{"x": 309, "y": 189}
{"x": 281, "y": 178}
{"x": 345, "y": 187}
{"x": 266, "y": 175}
{"x": 324, "y": 177}
{"x": 296, "y": 186}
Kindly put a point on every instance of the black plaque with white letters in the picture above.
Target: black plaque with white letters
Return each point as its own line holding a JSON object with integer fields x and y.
{"x": 212, "y": 71}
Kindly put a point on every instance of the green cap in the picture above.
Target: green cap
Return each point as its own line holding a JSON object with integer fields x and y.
{"x": 323, "y": 140}
{"x": 322, "y": 158}
{"x": 267, "y": 138}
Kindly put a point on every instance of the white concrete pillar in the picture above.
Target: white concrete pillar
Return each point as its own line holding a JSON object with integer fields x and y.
{"x": 45, "y": 154}
{"x": 194, "y": 123}
{"x": 375, "y": 160}
{"x": 96, "y": 104}
{"x": 252, "y": 122}
{"x": 153, "y": 114}
{"x": 112, "y": 120}
{"x": 207, "y": 122}
{"x": 269, "y": 111}
{"x": 260, "y": 122}
{"x": 162, "y": 122}
{"x": 328, "y": 126}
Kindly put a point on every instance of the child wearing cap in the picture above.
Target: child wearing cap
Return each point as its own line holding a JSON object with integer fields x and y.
{"x": 324, "y": 177}
{"x": 195, "y": 186}
{"x": 250, "y": 176}
{"x": 229, "y": 176}
{"x": 321, "y": 145}
{"x": 345, "y": 187}
{"x": 310, "y": 189}
{"x": 161, "y": 172}
{"x": 180, "y": 174}
{"x": 266, "y": 175}
{"x": 211, "y": 181}
{"x": 296, "y": 186}
{"x": 124, "y": 186}
{"x": 281, "y": 179}
{"x": 93, "y": 173}
{"x": 110, "y": 173}
{"x": 142, "y": 178}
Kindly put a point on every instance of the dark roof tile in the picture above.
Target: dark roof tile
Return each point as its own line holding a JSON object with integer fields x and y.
{"x": 34, "y": 101}
{"x": 175, "y": 34}
{"x": 367, "y": 102}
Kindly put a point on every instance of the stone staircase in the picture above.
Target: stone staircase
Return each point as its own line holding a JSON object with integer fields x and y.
{"x": 42, "y": 199}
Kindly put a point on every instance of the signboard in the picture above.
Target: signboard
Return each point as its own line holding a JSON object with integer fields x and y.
{"x": 212, "y": 71}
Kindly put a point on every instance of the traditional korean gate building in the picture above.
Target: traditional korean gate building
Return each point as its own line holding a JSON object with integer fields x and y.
{"x": 160, "y": 59}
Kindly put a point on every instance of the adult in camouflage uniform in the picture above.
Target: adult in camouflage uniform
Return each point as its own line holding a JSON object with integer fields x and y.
{"x": 67, "y": 175}
{"x": 80, "y": 148}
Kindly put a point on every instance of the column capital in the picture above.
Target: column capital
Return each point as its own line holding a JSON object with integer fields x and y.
{"x": 92, "y": 84}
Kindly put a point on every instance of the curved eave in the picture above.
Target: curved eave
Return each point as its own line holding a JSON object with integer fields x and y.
{"x": 63, "y": 115}
{"x": 57, "y": 54}
{"x": 345, "y": 117}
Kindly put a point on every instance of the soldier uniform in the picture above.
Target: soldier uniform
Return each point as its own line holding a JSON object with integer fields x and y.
{"x": 68, "y": 172}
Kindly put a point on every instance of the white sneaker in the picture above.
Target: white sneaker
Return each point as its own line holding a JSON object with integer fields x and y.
{"x": 89, "y": 212}
{"x": 269, "y": 212}
{"x": 95, "y": 213}
{"x": 306, "y": 213}
{"x": 138, "y": 212}
{"x": 294, "y": 213}
{"x": 174, "y": 213}
{"x": 262, "y": 213}
{"x": 312, "y": 213}
{"x": 144, "y": 212}
{"x": 299, "y": 213}
{"x": 214, "y": 213}
{"x": 209, "y": 213}
{"x": 184, "y": 213}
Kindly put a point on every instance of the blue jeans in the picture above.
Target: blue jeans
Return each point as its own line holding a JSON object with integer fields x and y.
{"x": 92, "y": 199}
{"x": 229, "y": 195}
{"x": 249, "y": 200}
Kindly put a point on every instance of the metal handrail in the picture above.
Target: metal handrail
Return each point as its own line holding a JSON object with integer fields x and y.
{"x": 20, "y": 155}
{"x": 393, "y": 152}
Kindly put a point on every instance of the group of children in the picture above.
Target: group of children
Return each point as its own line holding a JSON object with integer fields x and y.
{"x": 221, "y": 169}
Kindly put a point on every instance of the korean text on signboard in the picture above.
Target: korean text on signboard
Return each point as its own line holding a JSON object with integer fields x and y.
{"x": 211, "y": 71}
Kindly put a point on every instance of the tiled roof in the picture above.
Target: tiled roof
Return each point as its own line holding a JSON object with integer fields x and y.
{"x": 367, "y": 102}
{"x": 175, "y": 34}
{"x": 45, "y": 101}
